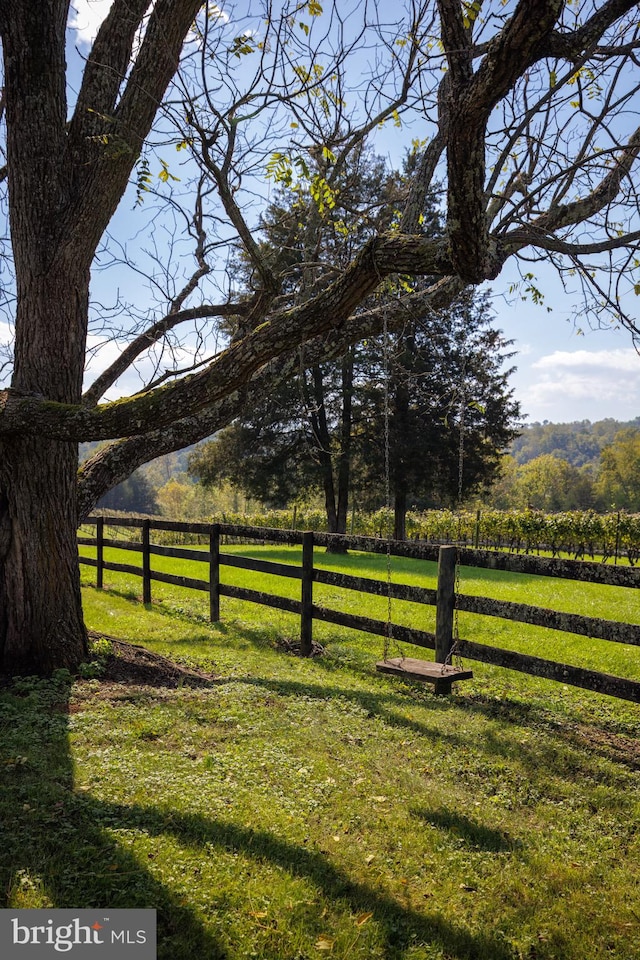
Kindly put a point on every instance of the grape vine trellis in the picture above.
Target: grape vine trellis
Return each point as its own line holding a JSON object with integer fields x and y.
{"x": 580, "y": 534}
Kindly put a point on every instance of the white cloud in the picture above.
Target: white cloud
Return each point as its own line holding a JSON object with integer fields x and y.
{"x": 103, "y": 351}
{"x": 584, "y": 384}
{"x": 623, "y": 360}
{"x": 86, "y": 17}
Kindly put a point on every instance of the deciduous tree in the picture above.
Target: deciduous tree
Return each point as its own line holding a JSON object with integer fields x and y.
{"x": 525, "y": 110}
{"x": 618, "y": 482}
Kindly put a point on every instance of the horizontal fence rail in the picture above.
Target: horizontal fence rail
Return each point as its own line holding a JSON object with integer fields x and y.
{"x": 442, "y": 641}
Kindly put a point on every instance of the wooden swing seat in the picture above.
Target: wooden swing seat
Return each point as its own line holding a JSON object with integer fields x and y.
{"x": 439, "y": 674}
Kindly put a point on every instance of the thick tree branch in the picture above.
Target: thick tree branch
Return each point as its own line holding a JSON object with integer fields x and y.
{"x": 325, "y": 313}
{"x": 570, "y": 45}
{"x": 115, "y": 462}
{"x": 555, "y": 245}
{"x": 564, "y": 215}
{"x": 105, "y": 70}
{"x": 104, "y": 161}
{"x": 471, "y": 99}
{"x": 35, "y": 100}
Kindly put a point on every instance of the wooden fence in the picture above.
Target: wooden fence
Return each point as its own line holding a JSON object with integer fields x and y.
{"x": 441, "y": 641}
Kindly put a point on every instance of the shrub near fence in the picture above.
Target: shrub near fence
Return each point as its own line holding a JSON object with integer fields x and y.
{"x": 215, "y": 560}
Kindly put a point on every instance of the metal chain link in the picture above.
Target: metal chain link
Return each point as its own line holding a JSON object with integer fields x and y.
{"x": 387, "y": 472}
{"x": 455, "y": 649}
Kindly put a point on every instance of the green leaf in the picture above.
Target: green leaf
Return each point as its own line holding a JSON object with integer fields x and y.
{"x": 165, "y": 174}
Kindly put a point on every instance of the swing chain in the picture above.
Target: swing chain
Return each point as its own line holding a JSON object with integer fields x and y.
{"x": 455, "y": 650}
{"x": 387, "y": 474}
{"x": 455, "y": 646}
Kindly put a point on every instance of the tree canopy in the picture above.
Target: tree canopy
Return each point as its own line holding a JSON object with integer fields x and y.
{"x": 522, "y": 111}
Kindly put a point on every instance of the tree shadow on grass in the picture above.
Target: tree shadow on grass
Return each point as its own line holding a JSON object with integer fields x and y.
{"x": 384, "y": 706}
{"x": 55, "y": 850}
{"x": 402, "y": 926}
{"x": 567, "y": 753}
{"x": 585, "y": 740}
{"x": 474, "y": 835}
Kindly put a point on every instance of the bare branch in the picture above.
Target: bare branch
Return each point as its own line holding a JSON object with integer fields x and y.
{"x": 576, "y": 249}
{"x": 324, "y": 314}
{"x": 116, "y": 461}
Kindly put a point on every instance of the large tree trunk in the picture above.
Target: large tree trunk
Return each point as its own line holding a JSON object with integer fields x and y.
{"x": 65, "y": 178}
{"x": 400, "y": 513}
{"x": 41, "y": 625}
{"x": 320, "y": 430}
{"x": 336, "y": 507}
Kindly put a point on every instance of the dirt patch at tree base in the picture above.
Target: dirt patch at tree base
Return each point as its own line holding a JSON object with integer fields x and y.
{"x": 131, "y": 663}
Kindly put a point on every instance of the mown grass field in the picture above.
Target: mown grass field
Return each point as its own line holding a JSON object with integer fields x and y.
{"x": 298, "y": 809}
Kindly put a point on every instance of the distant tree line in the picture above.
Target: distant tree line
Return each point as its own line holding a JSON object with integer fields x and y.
{"x": 608, "y": 480}
{"x": 547, "y": 481}
{"x": 580, "y": 443}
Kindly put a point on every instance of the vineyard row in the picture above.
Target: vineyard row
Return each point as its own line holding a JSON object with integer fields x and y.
{"x": 578, "y": 534}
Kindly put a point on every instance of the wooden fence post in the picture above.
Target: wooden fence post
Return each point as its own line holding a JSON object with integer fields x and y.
{"x": 306, "y": 611}
{"x": 99, "y": 552}
{"x": 146, "y": 562}
{"x": 445, "y": 602}
{"x": 214, "y": 573}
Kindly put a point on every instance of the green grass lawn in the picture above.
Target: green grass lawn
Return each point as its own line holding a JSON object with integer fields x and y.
{"x": 614, "y": 603}
{"x": 298, "y": 809}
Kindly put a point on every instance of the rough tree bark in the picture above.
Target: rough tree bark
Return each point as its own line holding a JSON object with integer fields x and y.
{"x": 65, "y": 182}
{"x": 41, "y": 627}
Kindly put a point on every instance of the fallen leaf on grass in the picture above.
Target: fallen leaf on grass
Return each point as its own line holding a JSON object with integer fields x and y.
{"x": 362, "y": 918}
{"x": 324, "y": 943}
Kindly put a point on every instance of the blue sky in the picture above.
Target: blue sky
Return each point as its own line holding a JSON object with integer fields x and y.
{"x": 563, "y": 373}
{"x": 566, "y": 372}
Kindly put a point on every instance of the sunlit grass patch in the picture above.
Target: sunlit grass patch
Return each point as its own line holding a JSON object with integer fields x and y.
{"x": 299, "y": 808}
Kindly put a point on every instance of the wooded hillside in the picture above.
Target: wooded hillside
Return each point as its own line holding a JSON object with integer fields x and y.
{"x": 579, "y": 443}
